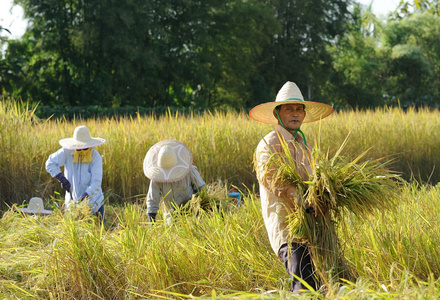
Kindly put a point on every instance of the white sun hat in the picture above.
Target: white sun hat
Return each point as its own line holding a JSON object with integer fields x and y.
{"x": 81, "y": 140}
{"x": 168, "y": 161}
{"x": 290, "y": 94}
{"x": 36, "y": 206}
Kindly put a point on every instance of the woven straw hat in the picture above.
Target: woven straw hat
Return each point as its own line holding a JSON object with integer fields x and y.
{"x": 81, "y": 140}
{"x": 290, "y": 94}
{"x": 36, "y": 206}
{"x": 167, "y": 161}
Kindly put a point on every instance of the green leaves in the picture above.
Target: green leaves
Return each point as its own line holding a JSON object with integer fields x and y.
{"x": 118, "y": 53}
{"x": 187, "y": 53}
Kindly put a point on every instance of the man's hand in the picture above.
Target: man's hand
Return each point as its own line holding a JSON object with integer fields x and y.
{"x": 290, "y": 192}
{"x": 310, "y": 210}
{"x": 323, "y": 209}
{"x": 318, "y": 211}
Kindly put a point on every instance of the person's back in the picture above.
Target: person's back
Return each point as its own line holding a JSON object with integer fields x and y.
{"x": 173, "y": 178}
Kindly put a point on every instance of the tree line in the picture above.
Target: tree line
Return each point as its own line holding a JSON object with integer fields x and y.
{"x": 222, "y": 53}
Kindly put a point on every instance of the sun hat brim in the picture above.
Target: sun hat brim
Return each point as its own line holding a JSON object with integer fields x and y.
{"x": 31, "y": 211}
{"x": 35, "y": 206}
{"x": 72, "y": 144}
{"x": 173, "y": 174}
{"x": 315, "y": 111}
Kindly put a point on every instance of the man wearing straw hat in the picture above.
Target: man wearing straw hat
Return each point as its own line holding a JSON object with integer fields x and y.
{"x": 173, "y": 177}
{"x": 287, "y": 113}
{"x": 82, "y": 175}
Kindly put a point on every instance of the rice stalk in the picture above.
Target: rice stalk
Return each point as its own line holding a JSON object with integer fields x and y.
{"x": 333, "y": 186}
{"x": 211, "y": 198}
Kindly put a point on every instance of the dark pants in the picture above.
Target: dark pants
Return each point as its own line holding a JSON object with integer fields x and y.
{"x": 297, "y": 261}
{"x": 100, "y": 214}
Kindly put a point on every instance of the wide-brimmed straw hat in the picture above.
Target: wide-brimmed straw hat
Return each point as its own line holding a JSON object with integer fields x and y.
{"x": 81, "y": 140}
{"x": 290, "y": 94}
{"x": 168, "y": 161}
{"x": 36, "y": 206}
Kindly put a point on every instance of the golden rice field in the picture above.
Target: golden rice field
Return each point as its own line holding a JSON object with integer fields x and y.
{"x": 219, "y": 255}
{"x": 222, "y": 146}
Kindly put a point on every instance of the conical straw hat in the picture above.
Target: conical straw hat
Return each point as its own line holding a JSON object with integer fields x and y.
{"x": 81, "y": 140}
{"x": 36, "y": 206}
{"x": 167, "y": 161}
{"x": 290, "y": 94}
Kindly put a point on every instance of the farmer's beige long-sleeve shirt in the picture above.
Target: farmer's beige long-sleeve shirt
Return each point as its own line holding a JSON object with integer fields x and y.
{"x": 277, "y": 202}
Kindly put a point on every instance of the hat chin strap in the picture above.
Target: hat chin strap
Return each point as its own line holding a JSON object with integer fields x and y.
{"x": 290, "y": 129}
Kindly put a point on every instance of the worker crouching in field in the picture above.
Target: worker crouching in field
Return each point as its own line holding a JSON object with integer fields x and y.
{"x": 173, "y": 177}
{"x": 287, "y": 113}
{"x": 82, "y": 175}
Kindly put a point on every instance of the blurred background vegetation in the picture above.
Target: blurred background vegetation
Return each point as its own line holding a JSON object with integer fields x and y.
{"x": 220, "y": 54}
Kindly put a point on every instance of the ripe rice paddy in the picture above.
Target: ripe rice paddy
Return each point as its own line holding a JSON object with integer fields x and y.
{"x": 215, "y": 254}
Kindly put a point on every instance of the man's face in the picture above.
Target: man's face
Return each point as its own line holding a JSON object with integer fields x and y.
{"x": 292, "y": 115}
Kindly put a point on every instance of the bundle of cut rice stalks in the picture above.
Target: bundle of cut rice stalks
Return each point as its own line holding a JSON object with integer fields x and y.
{"x": 212, "y": 198}
{"x": 338, "y": 189}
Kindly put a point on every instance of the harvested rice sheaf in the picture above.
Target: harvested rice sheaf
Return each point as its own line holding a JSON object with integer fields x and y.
{"x": 213, "y": 197}
{"x": 334, "y": 187}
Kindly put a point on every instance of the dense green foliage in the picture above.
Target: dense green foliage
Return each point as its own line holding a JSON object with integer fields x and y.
{"x": 187, "y": 53}
{"x": 217, "y": 54}
{"x": 393, "y": 62}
